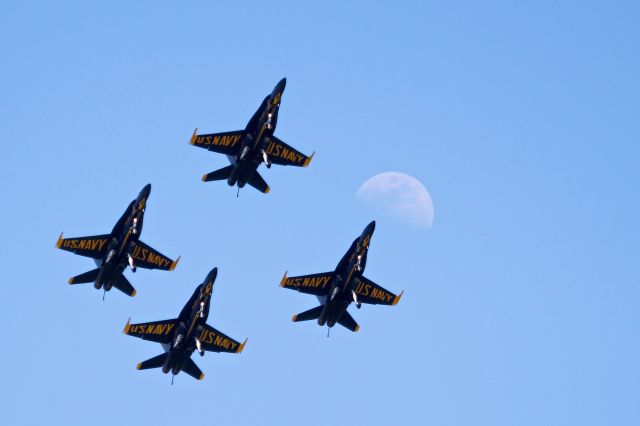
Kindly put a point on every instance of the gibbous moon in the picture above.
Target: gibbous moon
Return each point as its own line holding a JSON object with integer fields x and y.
{"x": 399, "y": 194}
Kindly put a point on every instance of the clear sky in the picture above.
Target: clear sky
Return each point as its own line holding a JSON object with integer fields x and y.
{"x": 521, "y": 118}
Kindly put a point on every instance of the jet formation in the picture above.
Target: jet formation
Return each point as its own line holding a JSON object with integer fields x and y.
{"x": 337, "y": 289}
{"x": 247, "y": 149}
{"x": 184, "y": 335}
{"x": 113, "y": 252}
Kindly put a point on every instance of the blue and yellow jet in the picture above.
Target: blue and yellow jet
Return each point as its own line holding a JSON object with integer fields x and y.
{"x": 184, "y": 335}
{"x": 337, "y": 289}
{"x": 247, "y": 149}
{"x": 113, "y": 252}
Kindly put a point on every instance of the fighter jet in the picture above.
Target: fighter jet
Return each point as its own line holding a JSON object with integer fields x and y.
{"x": 336, "y": 290}
{"x": 180, "y": 337}
{"x": 247, "y": 149}
{"x": 113, "y": 252}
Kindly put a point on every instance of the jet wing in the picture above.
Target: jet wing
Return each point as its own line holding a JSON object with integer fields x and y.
{"x": 224, "y": 143}
{"x": 158, "y": 331}
{"x": 371, "y": 293}
{"x": 214, "y": 341}
{"x": 281, "y": 153}
{"x": 94, "y": 246}
{"x": 316, "y": 284}
{"x": 149, "y": 258}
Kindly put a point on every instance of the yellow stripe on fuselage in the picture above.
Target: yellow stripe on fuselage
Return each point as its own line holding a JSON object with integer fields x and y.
{"x": 353, "y": 268}
{"x": 193, "y": 323}
{"x": 259, "y": 135}
{"x": 262, "y": 130}
{"x": 124, "y": 241}
{"x": 349, "y": 276}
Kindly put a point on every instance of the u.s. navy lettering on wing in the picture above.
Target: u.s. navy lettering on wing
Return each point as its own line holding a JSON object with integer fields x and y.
{"x": 148, "y": 256}
{"x": 373, "y": 292}
{"x": 218, "y": 140}
{"x": 157, "y": 329}
{"x": 276, "y": 150}
{"x": 316, "y": 282}
{"x": 208, "y": 336}
{"x": 94, "y": 244}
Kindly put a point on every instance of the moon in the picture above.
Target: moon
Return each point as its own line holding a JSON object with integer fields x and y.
{"x": 400, "y": 195}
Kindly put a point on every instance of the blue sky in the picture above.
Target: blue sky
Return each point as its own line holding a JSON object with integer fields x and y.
{"x": 521, "y": 302}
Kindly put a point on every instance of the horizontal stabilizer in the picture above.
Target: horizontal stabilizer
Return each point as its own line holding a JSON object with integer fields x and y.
{"x": 347, "y": 321}
{"x": 308, "y": 315}
{"x": 258, "y": 183}
{"x": 123, "y": 284}
{"x": 87, "y": 277}
{"x": 220, "y": 174}
{"x": 192, "y": 369}
{"x": 155, "y": 362}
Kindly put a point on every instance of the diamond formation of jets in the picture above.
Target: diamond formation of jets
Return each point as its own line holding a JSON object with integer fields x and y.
{"x": 113, "y": 252}
{"x": 184, "y": 335}
{"x": 247, "y": 149}
{"x": 336, "y": 290}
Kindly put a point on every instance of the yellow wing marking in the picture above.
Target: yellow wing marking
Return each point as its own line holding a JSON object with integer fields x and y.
{"x": 126, "y": 328}
{"x": 241, "y": 347}
{"x": 308, "y": 160}
{"x": 174, "y": 264}
{"x": 194, "y": 137}
{"x": 59, "y": 242}
{"x": 397, "y": 298}
{"x": 284, "y": 279}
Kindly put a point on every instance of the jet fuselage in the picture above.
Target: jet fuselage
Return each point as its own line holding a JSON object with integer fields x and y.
{"x": 261, "y": 126}
{"x": 348, "y": 273}
{"x": 189, "y": 326}
{"x": 124, "y": 236}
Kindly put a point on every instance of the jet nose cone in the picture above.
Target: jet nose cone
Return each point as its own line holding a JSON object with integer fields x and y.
{"x": 371, "y": 227}
{"x": 146, "y": 190}
{"x": 211, "y": 276}
{"x": 367, "y": 233}
{"x": 281, "y": 85}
